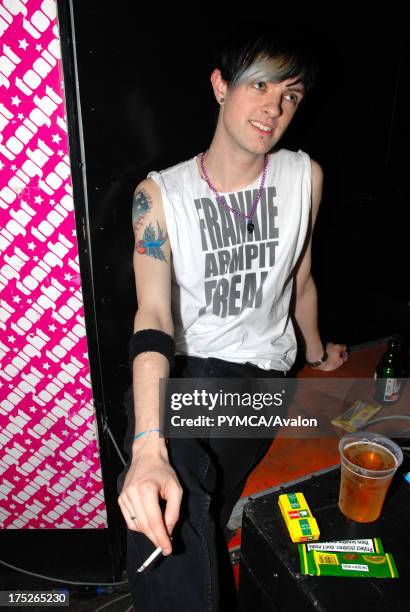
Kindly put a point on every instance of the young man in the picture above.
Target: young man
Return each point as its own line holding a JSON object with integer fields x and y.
{"x": 221, "y": 241}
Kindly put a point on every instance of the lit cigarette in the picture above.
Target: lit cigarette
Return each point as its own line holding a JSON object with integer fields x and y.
{"x": 151, "y": 558}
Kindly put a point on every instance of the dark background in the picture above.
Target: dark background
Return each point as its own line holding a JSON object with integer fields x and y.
{"x": 147, "y": 103}
{"x": 138, "y": 98}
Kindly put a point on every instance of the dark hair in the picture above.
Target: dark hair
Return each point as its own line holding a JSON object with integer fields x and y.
{"x": 282, "y": 52}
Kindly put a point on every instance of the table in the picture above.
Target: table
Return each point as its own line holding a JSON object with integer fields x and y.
{"x": 269, "y": 575}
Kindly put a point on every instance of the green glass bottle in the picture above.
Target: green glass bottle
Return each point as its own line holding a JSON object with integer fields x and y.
{"x": 387, "y": 378}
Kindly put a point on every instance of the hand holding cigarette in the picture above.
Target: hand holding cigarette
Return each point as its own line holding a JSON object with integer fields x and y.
{"x": 151, "y": 496}
{"x": 151, "y": 558}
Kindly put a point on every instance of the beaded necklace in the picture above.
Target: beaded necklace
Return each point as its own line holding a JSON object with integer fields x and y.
{"x": 221, "y": 199}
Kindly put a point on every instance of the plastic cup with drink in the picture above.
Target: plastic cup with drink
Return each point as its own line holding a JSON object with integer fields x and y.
{"x": 368, "y": 463}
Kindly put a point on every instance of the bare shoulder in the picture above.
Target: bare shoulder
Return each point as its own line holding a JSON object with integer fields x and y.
{"x": 148, "y": 186}
{"x": 317, "y": 172}
{"x": 317, "y": 186}
{"x": 147, "y": 204}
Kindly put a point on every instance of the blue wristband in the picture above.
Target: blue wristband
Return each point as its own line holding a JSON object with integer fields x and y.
{"x": 147, "y": 431}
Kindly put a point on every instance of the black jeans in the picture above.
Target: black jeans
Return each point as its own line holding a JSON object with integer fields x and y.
{"x": 197, "y": 576}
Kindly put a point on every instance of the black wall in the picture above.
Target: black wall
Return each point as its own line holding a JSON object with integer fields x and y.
{"x": 146, "y": 103}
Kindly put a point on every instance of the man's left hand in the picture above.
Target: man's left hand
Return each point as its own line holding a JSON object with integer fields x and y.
{"x": 337, "y": 356}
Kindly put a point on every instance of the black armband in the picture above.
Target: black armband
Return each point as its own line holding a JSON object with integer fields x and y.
{"x": 152, "y": 340}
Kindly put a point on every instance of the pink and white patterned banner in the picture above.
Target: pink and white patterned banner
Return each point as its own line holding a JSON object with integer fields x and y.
{"x": 50, "y": 472}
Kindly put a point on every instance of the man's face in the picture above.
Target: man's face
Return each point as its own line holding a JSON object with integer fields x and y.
{"x": 255, "y": 114}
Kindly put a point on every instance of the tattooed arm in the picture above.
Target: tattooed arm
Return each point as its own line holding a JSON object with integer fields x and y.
{"x": 151, "y": 259}
{"x": 149, "y": 244}
{"x": 150, "y": 476}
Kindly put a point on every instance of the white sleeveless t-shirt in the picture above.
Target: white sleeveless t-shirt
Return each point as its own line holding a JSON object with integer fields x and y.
{"x": 231, "y": 290}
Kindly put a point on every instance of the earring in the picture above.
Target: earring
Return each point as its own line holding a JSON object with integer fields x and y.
{"x": 222, "y": 100}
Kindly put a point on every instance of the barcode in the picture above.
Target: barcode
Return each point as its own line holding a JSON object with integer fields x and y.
{"x": 323, "y": 559}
